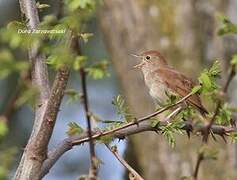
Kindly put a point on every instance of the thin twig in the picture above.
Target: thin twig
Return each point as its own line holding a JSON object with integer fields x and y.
{"x": 219, "y": 102}
{"x": 199, "y": 160}
{"x": 207, "y": 129}
{"x": 124, "y": 163}
{"x": 93, "y": 169}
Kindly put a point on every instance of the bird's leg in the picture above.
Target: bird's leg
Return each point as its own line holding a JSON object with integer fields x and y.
{"x": 174, "y": 113}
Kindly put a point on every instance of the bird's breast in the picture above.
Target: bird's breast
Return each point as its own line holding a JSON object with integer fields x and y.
{"x": 157, "y": 88}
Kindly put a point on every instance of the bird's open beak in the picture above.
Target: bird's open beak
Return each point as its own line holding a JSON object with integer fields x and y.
{"x": 138, "y": 66}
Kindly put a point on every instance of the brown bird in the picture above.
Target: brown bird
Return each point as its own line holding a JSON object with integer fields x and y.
{"x": 160, "y": 78}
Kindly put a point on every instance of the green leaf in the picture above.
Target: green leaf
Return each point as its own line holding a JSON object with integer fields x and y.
{"x": 16, "y": 25}
{"x": 215, "y": 70}
{"x": 74, "y": 129}
{"x": 9, "y": 65}
{"x": 28, "y": 95}
{"x": 42, "y": 6}
{"x": 86, "y": 36}
{"x": 79, "y": 62}
{"x": 98, "y": 71}
{"x": 61, "y": 56}
{"x": 106, "y": 139}
{"x": 82, "y": 4}
{"x": 207, "y": 79}
{"x": 196, "y": 89}
{"x": 73, "y": 95}
{"x": 227, "y": 26}
{"x": 122, "y": 108}
{"x": 224, "y": 115}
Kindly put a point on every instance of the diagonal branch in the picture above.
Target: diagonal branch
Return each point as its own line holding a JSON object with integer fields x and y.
{"x": 124, "y": 163}
{"x": 137, "y": 121}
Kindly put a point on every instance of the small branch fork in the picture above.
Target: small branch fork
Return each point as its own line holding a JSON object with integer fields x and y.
{"x": 124, "y": 163}
{"x": 93, "y": 168}
{"x": 208, "y": 128}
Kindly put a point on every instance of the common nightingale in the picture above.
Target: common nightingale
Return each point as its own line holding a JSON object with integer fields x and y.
{"x": 160, "y": 78}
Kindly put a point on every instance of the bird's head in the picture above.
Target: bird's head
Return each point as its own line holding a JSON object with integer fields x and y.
{"x": 150, "y": 58}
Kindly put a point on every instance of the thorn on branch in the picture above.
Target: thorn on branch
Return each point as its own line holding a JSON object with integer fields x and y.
{"x": 136, "y": 122}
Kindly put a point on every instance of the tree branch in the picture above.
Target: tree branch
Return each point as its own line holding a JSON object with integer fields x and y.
{"x": 69, "y": 142}
{"x": 124, "y": 163}
{"x": 47, "y": 105}
{"x": 93, "y": 168}
{"x": 137, "y": 121}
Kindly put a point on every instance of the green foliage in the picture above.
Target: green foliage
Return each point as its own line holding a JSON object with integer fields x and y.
{"x": 98, "y": 70}
{"x": 73, "y": 95}
{"x": 106, "y": 139}
{"x": 224, "y": 115}
{"x": 28, "y": 95}
{"x": 169, "y": 130}
{"x": 42, "y": 6}
{"x": 74, "y": 129}
{"x": 86, "y": 36}
{"x": 60, "y": 56}
{"x": 233, "y": 137}
{"x": 196, "y": 89}
{"x": 227, "y": 26}
{"x": 172, "y": 98}
{"x": 154, "y": 122}
{"x": 9, "y": 65}
{"x": 122, "y": 108}
{"x": 79, "y": 62}
{"x": 80, "y": 4}
{"x": 186, "y": 113}
{"x": 16, "y": 35}
{"x": 208, "y": 78}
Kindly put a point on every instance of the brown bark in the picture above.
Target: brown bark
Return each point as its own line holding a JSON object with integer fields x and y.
{"x": 47, "y": 105}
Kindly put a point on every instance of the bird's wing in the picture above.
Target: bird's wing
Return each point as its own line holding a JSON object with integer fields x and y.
{"x": 181, "y": 85}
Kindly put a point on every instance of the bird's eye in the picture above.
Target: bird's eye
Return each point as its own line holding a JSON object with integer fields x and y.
{"x": 148, "y": 57}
